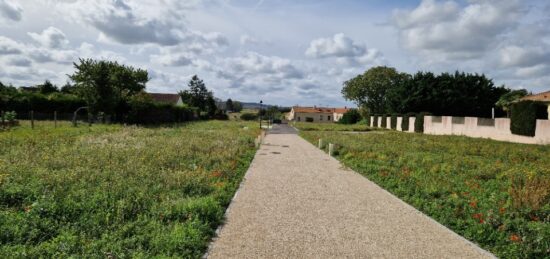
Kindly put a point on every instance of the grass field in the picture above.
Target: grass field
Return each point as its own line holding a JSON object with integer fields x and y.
{"x": 310, "y": 126}
{"x": 113, "y": 191}
{"x": 496, "y": 194}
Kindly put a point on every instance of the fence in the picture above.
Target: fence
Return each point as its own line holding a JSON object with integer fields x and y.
{"x": 497, "y": 129}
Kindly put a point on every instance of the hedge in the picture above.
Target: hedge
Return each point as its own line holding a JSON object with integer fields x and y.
{"x": 419, "y": 122}
{"x": 393, "y": 121}
{"x": 350, "y": 117}
{"x": 375, "y": 122}
{"x": 249, "y": 116}
{"x": 524, "y": 117}
{"x": 405, "y": 122}
{"x": 23, "y": 103}
{"x": 384, "y": 121}
{"x": 142, "y": 112}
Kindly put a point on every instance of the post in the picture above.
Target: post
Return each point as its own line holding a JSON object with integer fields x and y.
{"x": 330, "y": 149}
{"x": 493, "y": 113}
{"x": 32, "y": 119}
{"x": 55, "y": 119}
{"x": 320, "y": 143}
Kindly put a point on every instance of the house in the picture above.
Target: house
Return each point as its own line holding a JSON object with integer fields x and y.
{"x": 174, "y": 99}
{"x": 543, "y": 97}
{"x": 316, "y": 114}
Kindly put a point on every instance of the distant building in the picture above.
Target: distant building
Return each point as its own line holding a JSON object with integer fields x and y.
{"x": 174, "y": 99}
{"x": 316, "y": 114}
{"x": 543, "y": 97}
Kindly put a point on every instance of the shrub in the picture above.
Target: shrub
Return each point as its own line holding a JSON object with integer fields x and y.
{"x": 375, "y": 122}
{"x": 405, "y": 122}
{"x": 220, "y": 116}
{"x": 350, "y": 117}
{"x": 524, "y": 117}
{"x": 309, "y": 119}
{"x": 384, "y": 121}
{"x": 393, "y": 121}
{"x": 367, "y": 120}
{"x": 419, "y": 122}
{"x": 146, "y": 112}
{"x": 249, "y": 116}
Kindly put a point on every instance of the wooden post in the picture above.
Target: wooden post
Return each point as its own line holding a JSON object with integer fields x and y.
{"x": 330, "y": 149}
{"x": 55, "y": 119}
{"x": 32, "y": 119}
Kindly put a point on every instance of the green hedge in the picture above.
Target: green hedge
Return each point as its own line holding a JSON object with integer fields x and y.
{"x": 524, "y": 117}
{"x": 367, "y": 120}
{"x": 23, "y": 103}
{"x": 143, "y": 112}
{"x": 393, "y": 121}
{"x": 405, "y": 122}
{"x": 384, "y": 121}
{"x": 419, "y": 122}
{"x": 375, "y": 122}
{"x": 350, "y": 117}
{"x": 249, "y": 116}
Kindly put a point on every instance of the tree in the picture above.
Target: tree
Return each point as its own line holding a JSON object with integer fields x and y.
{"x": 229, "y": 105}
{"x": 237, "y": 106}
{"x": 350, "y": 117}
{"x": 198, "y": 95}
{"x": 506, "y": 100}
{"x": 106, "y": 84}
{"x": 68, "y": 88}
{"x": 370, "y": 90}
{"x": 47, "y": 88}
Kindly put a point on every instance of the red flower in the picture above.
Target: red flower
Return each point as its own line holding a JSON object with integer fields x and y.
{"x": 502, "y": 210}
{"x": 515, "y": 238}
{"x": 479, "y": 217}
{"x": 473, "y": 204}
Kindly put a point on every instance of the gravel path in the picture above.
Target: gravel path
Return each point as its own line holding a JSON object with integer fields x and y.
{"x": 297, "y": 202}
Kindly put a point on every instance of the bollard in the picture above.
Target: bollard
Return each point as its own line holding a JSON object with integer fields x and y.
{"x": 330, "y": 149}
{"x": 321, "y": 143}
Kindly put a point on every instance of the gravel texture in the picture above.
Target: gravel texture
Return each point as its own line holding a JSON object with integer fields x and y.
{"x": 297, "y": 202}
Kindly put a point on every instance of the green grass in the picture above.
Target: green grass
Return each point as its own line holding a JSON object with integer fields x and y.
{"x": 311, "y": 126}
{"x": 496, "y": 194}
{"x": 113, "y": 191}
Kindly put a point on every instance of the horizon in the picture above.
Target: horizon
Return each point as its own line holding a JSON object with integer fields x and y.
{"x": 281, "y": 52}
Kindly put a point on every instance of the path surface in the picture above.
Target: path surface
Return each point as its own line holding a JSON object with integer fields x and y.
{"x": 297, "y": 202}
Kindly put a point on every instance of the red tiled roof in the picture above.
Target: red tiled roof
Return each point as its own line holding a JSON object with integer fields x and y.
{"x": 165, "y": 98}
{"x": 319, "y": 109}
{"x": 543, "y": 97}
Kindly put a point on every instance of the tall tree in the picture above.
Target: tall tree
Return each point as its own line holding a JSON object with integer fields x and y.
{"x": 47, "y": 88}
{"x": 370, "y": 90}
{"x": 198, "y": 95}
{"x": 105, "y": 84}
{"x": 229, "y": 105}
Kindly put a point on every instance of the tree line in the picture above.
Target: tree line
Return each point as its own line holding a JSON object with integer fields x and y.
{"x": 110, "y": 88}
{"x": 384, "y": 90}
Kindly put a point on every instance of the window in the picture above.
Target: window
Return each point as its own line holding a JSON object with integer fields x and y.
{"x": 320, "y": 117}
{"x": 328, "y": 118}
{"x": 298, "y": 118}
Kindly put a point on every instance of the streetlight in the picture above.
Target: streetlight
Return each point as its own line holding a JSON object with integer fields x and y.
{"x": 260, "y": 113}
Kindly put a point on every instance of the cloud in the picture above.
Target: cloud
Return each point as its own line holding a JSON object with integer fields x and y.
{"x": 516, "y": 56}
{"x": 50, "y": 38}
{"x": 344, "y": 49}
{"x": 19, "y": 61}
{"x": 136, "y": 23}
{"x": 248, "y": 40}
{"x": 9, "y": 46}
{"x": 337, "y": 46}
{"x": 253, "y": 64}
{"x": 10, "y": 11}
{"x": 460, "y": 33}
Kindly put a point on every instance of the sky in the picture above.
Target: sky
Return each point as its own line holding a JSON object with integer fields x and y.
{"x": 284, "y": 52}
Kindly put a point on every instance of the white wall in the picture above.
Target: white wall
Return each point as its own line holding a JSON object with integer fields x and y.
{"x": 500, "y": 131}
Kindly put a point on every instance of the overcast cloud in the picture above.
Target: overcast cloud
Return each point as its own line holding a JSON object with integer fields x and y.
{"x": 283, "y": 52}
